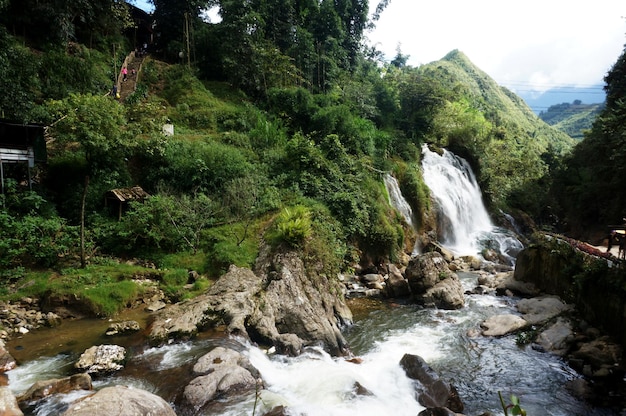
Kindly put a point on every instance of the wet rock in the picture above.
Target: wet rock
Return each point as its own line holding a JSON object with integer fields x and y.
{"x": 155, "y": 306}
{"x": 8, "y": 403}
{"x": 119, "y": 400}
{"x": 277, "y": 411}
{"x": 52, "y": 319}
{"x": 220, "y": 357}
{"x": 270, "y": 402}
{"x": 44, "y": 388}
{"x": 397, "y": 286}
{"x": 541, "y": 309}
{"x": 124, "y": 327}
{"x": 433, "y": 283}
{"x": 507, "y": 282}
{"x": 558, "y": 337}
{"x": 102, "y": 359}
{"x": 7, "y": 362}
{"x": 223, "y": 373}
{"x": 499, "y": 325}
{"x": 433, "y": 392}
{"x": 438, "y": 411}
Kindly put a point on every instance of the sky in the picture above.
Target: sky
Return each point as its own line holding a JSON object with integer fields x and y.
{"x": 530, "y": 45}
{"x": 523, "y": 45}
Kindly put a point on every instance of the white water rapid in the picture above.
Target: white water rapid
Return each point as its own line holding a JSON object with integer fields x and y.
{"x": 464, "y": 224}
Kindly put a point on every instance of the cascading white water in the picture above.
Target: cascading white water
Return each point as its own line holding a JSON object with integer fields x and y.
{"x": 396, "y": 199}
{"x": 465, "y": 226}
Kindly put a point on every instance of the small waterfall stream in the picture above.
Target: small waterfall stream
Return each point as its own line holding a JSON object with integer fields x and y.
{"x": 396, "y": 199}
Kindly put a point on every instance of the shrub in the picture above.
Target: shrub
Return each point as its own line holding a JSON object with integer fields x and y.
{"x": 292, "y": 227}
{"x": 223, "y": 247}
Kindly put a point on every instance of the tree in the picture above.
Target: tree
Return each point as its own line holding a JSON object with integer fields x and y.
{"x": 591, "y": 184}
{"x": 175, "y": 20}
{"x": 96, "y": 123}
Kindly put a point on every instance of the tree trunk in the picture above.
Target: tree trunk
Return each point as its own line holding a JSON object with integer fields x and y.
{"x": 82, "y": 225}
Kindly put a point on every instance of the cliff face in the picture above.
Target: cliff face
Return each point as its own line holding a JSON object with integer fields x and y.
{"x": 281, "y": 303}
{"x": 595, "y": 285}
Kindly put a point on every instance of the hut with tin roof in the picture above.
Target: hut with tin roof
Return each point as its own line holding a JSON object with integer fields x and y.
{"x": 119, "y": 198}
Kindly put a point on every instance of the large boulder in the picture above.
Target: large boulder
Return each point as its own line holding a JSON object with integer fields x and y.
{"x": 541, "y": 309}
{"x": 433, "y": 392}
{"x": 299, "y": 303}
{"x": 282, "y": 303}
{"x": 397, "y": 286}
{"x": 507, "y": 284}
{"x": 102, "y": 359}
{"x": 433, "y": 283}
{"x": 44, "y": 388}
{"x": 229, "y": 300}
{"x": 499, "y": 325}
{"x": 221, "y": 371}
{"x": 558, "y": 337}
{"x": 120, "y": 400}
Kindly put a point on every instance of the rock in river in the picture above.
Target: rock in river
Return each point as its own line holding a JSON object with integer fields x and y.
{"x": 120, "y": 400}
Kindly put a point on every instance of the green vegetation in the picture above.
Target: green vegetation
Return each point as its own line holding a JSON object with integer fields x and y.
{"x": 513, "y": 406}
{"x": 102, "y": 289}
{"x": 573, "y": 119}
{"x": 284, "y": 125}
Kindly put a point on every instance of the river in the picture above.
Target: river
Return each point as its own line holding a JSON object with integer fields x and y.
{"x": 315, "y": 384}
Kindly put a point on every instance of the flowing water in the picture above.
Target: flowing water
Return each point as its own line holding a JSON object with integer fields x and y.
{"x": 315, "y": 384}
{"x": 464, "y": 224}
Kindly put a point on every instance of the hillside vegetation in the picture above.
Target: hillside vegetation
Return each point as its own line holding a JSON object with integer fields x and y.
{"x": 278, "y": 138}
{"x": 573, "y": 119}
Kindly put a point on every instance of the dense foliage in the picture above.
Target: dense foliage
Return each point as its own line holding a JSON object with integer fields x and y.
{"x": 292, "y": 148}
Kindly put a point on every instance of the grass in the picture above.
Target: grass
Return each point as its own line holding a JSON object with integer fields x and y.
{"x": 103, "y": 289}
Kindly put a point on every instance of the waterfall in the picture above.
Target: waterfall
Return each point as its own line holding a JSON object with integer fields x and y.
{"x": 464, "y": 224}
{"x": 396, "y": 199}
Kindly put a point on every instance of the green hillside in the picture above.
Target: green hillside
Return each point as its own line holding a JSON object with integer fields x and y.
{"x": 276, "y": 138}
{"x": 506, "y": 142}
{"x": 573, "y": 119}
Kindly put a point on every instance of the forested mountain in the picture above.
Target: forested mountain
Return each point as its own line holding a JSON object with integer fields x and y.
{"x": 488, "y": 124}
{"x": 572, "y": 118}
{"x": 284, "y": 121}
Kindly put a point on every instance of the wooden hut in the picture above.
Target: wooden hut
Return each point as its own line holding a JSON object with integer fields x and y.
{"x": 119, "y": 198}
